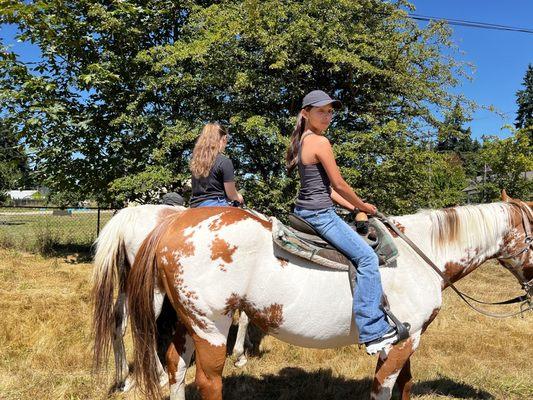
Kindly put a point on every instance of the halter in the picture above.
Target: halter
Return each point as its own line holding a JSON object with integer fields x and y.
{"x": 526, "y": 303}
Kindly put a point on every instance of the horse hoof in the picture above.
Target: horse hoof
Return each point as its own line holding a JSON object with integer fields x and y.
{"x": 128, "y": 385}
{"x": 241, "y": 362}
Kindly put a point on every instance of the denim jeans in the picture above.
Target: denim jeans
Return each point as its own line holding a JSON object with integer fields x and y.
{"x": 218, "y": 202}
{"x": 369, "y": 317}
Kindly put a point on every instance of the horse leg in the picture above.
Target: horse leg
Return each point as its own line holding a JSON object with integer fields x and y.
{"x": 159, "y": 297}
{"x": 210, "y": 358}
{"x": 121, "y": 323}
{"x": 390, "y": 366}
{"x": 404, "y": 380}
{"x": 178, "y": 358}
{"x": 238, "y": 350}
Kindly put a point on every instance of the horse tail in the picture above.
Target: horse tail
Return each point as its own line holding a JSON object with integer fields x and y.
{"x": 140, "y": 294}
{"x": 110, "y": 265}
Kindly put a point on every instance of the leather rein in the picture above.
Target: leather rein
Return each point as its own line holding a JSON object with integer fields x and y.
{"x": 525, "y": 300}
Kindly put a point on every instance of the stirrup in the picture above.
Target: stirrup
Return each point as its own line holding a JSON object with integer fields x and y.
{"x": 401, "y": 327}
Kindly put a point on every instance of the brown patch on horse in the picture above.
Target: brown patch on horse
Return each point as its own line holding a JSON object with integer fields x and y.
{"x": 174, "y": 245}
{"x": 514, "y": 239}
{"x": 232, "y": 215}
{"x": 182, "y": 298}
{"x": 267, "y": 318}
{"x": 448, "y": 230}
{"x": 514, "y": 243}
{"x": 209, "y": 366}
{"x": 222, "y": 249}
{"x": 453, "y": 271}
{"x": 395, "y": 361}
{"x": 283, "y": 261}
{"x": 176, "y": 348}
{"x": 400, "y": 227}
{"x": 430, "y": 319}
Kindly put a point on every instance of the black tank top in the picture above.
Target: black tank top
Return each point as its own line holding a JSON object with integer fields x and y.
{"x": 315, "y": 187}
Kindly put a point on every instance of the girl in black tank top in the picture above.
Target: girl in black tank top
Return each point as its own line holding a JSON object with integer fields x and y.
{"x": 321, "y": 185}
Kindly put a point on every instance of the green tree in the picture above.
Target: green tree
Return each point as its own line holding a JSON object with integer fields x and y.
{"x": 456, "y": 139}
{"x": 524, "y": 99}
{"x": 124, "y": 87}
{"x": 507, "y": 162}
{"x": 416, "y": 175}
{"x": 86, "y": 108}
{"x": 14, "y": 169}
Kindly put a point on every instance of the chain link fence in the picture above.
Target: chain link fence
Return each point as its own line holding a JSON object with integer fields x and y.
{"x": 49, "y": 229}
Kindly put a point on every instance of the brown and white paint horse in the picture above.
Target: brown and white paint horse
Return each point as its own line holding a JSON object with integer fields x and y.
{"x": 211, "y": 261}
{"x": 116, "y": 248}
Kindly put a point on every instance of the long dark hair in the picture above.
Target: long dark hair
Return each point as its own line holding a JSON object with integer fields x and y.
{"x": 291, "y": 159}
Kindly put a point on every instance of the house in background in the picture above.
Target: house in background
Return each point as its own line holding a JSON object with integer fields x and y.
{"x": 33, "y": 197}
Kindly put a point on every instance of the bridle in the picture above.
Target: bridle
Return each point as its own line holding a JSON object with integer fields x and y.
{"x": 526, "y": 302}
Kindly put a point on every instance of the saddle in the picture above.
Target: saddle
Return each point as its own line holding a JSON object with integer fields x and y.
{"x": 301, "y": 239}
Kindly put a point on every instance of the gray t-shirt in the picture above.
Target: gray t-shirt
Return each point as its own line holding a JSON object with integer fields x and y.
{"x": 212, "y": 187}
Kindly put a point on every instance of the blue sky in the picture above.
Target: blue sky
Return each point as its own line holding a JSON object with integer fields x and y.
{"x": 500, "y": 57}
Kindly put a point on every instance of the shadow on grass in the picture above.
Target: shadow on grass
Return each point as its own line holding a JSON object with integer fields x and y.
{"x": 71, "y": 253}
{"x": 444, "y": 386}
{"x": 297, "y": 384}
{"x": 12, "y": 223}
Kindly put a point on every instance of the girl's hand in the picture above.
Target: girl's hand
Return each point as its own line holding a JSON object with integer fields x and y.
{"x": 240, "y": 198}
{"x": 370, "y": 208}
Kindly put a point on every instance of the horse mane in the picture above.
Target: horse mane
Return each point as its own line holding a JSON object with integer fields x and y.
{"x": 475, "y": 228}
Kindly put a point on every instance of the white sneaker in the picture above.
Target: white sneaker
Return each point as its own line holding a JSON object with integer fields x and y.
{"x": 376, "y": 345}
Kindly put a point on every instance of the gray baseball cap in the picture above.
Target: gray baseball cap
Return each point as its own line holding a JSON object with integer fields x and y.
{"x": 318, "y": 98}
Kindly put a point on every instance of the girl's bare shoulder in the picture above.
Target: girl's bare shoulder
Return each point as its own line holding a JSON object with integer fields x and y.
{"x": 317, "y": 139}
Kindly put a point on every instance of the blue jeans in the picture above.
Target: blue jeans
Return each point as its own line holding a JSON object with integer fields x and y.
{"x": 218, "y": 202}
{"x": 369, "y": 317}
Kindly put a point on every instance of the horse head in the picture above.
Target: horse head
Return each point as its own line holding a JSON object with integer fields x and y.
{"x": 516, "y": 253}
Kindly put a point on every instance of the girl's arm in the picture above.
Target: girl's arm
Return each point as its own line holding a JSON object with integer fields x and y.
{"x": 231, "y": 192}
{"x": 228, "y": 177}
{"x": 324, "y": 153}
{"x": 341, "y": 201}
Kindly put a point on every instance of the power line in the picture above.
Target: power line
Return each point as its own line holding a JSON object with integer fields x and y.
{"x": 471, "y": 24}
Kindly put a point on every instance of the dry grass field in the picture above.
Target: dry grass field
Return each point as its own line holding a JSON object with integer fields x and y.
{"x": 45, "y": 346}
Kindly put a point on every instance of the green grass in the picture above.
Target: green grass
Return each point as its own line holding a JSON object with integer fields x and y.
{"x": 44, "y": 232}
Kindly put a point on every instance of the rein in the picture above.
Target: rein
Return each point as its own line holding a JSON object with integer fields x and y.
{"x": 526, "y": 303}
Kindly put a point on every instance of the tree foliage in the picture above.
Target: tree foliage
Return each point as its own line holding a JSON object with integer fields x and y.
{"x": 524, "y": 99}
{"x": 507, "y": 162}
{"x": 118, "y": 97}
{"x": 14, "y": 169}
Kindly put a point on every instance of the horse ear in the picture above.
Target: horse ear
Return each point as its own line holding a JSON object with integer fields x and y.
{"x": 504, "y": 196}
